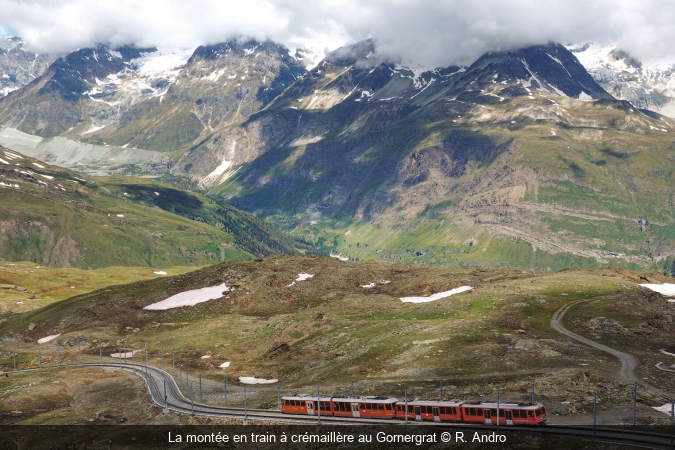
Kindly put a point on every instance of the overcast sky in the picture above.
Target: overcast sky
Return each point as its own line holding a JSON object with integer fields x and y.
{"x": 424, "y": 33}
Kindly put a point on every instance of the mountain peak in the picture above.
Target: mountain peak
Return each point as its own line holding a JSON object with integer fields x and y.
{"x": 549, "y": 67}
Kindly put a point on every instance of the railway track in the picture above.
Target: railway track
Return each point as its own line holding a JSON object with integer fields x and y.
{"x": 174, "y": 400}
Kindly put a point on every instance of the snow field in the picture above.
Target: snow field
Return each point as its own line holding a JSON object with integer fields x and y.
{"x": 253, "y": 380}
{"x": 435, "y": 297}
{"x": 48, "y": 338}
{"x": 667, "y": 289}
{"x": 189, "y": 298}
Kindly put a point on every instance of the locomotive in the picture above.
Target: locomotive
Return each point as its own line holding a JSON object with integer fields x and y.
{"x": 417, "y": 410}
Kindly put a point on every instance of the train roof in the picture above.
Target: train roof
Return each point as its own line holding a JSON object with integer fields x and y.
{"x": 305, "y": 397}
{"x": 502, "y": 405}
{"x": 366, "y": 399}
{"x": 433, "y": 402}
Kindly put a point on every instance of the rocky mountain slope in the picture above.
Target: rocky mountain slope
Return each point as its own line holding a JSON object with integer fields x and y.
{"x": 156, "y": 99}
{"x": 519, "y": 159}
{"x": 18, "y": 66}
{"x": 56, "y": 217}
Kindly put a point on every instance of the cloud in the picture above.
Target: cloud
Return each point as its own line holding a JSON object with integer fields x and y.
{"x": 424, "y": 33}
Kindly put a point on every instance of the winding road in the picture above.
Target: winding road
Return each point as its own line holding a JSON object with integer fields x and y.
{"x": 628, "y": 363}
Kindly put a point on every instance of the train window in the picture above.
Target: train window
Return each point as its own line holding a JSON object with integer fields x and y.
{"x": 479, "y": 412}
{"x": 388, "y": 407}
{"x": 441, "y": 410}
{"x": 539, "y": 412}
{"x": 494, "y": 413}
{"x": 529, "y": 414}
{"x": 543, "y": 410}
{"x": 472, "y": 411}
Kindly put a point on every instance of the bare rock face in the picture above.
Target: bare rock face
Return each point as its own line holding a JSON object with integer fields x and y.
{"x": 18, "y": 66}
{"x": 605, "y": 325}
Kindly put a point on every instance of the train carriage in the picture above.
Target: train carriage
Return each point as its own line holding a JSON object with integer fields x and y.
{"x": 509, "y": 413}
{"x": 374, "y": 407}
{"x": 377, "y": 407}
{"x": 306, "y": 404}
{"x": 437, "y": 411}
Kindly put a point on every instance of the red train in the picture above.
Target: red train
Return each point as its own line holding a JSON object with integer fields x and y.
{"x": 436, "y": 411}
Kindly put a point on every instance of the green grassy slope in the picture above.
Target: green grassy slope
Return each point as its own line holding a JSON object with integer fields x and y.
{"x": 538, "y": 181}
{"x": 53, "y": 217}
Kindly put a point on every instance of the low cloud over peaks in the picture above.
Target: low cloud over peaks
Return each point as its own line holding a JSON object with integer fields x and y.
{"x": 419, "y": 33}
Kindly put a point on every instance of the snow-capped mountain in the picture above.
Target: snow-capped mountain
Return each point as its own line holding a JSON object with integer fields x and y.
{"x": 159, "y": 99}
{"x": 18, "y": 66}
{"x": 646, "y": 86}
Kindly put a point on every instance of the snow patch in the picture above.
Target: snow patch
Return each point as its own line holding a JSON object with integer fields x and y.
{"x": 38, "y": 165}
{"x": 159, "y": 272}
{"x": 214, "y": 75}
{"x": 189, "y": 298}
{"x": 302, "y": 277}
{"x": 665, "y": 409}
{"x": 584, "y": 96}
{"x": 92, "y": 130}
{"x": 48, "y": 338}
{"x": 667, "y": 289}
{"x": 253, "y": 380}
{"x": 338, "y": 256}
{"x": 205, "y": 357}
{"x": 123, "y": 354}
{"x": 435, "y": 297}
{"x": 49, "y": 177}
{"x": 11, "y": 156}
{"x": 375, "y": 283}
{"x": 225, "y": 365}
{"x": 3, "y": 161}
